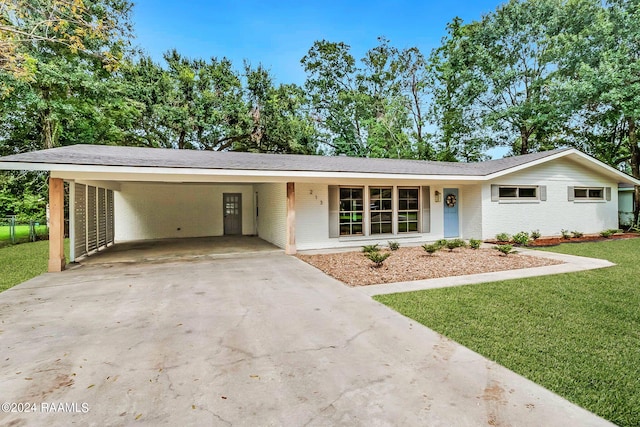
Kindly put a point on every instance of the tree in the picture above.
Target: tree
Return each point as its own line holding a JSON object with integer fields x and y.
{"x": 500, "y": 68}
{"x": 456, "y": 87}
{"x": 602, "y": 71}
{"x": 371, "y": 110}
{"x": 58, "y": 56}
{"x": 96, "y": 28}
{"x": 280, "y": 120}
{"x": 338, "y": 107}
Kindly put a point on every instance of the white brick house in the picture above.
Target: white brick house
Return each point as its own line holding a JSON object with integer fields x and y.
{"x": 312, "y": 202}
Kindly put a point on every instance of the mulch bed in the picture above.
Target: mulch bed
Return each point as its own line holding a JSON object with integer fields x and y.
{"x": 413, "y": 263}
{"x": 557, "y": 240}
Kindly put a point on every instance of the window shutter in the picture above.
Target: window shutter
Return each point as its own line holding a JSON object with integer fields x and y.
{"x": 570, "y": 194}
{"x": 334, "y": 211}
{"x": 495, "y": 192}
{"x": 426, "y": 209}
{"x": 543, "y": 192}
{"x": 608, "y": 193}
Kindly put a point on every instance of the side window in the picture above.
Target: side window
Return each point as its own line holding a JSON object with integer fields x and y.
{"x": 351, "y": 211}
{"x": 408, "y": 209}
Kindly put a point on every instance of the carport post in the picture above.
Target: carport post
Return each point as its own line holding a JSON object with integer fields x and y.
{"x": 56, "y": 225}
{"x": 290, "y": 247}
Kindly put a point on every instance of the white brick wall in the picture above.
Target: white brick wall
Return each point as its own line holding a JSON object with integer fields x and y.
{"x": 157, "y": 211}
{"x": 470, "y": 211}
{"x": 556, "y": 212}
{"x": 272, "y": 212}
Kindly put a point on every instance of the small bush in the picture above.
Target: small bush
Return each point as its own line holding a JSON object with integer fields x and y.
{"x": 474, "y": 243}
{"x": 394, "y": 246}
{"x": 607, "y": 233}
{"x": 577, "y": 234}
{"x": 535, "y": 234}
{"x": 521, "y": 238}
{"x": 565, "y": 234}
{"x": 431, "y": 248}
{"x": 377, "y": 258}
{"x": 504, "y": 249}
{"x": 455, "y": 243}
{"x": 503, "y": 237}
{"x": 370, "y": 248}
{"x": 441, "y": 243}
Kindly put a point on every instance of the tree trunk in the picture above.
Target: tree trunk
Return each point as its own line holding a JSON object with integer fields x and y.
{"x": 181, "y": 139}
{"x": 46, "y": 123}
{"x": 635, "y": 167}
{"x": 524, "y": 141}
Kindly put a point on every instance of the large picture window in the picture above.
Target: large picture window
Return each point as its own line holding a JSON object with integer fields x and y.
{"x": 408, "y": 209}
{"x": 378, "y": 210}
{"x": 351, "y": 211}
{"x": 381, "y": 208}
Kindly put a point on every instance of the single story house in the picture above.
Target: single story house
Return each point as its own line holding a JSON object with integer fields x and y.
{"x": 302, "y": 202}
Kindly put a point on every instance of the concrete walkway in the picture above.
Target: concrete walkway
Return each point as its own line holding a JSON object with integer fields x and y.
{"x": 248, "y": 341}
{"x": 571, "y": 264}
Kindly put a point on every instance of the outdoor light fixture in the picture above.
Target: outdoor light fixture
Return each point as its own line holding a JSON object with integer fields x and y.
{"x": 437, "y": 196}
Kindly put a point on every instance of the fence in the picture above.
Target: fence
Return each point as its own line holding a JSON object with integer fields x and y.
{"x": 14, "y": 232}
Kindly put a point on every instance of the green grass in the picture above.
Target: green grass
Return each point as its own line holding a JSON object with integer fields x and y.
{"x": 22, "y": 262}
{"x": 577, "y": 334}
{"x": 22, "y": 232}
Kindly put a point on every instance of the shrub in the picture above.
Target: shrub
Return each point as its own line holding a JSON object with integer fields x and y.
{"x": 370, "y": 248}
{"x": 521, "y": 238}
{"x": 394, "y": 246}
{"x": 455, "y": 243}
{"x": 377, "y": 258}
{"x": 441, "y": 243}
{"x": 606, "y": 233}
{"x": 577, "y": 234}
{"x": 505, "y": 249}
{"x": 503, "y": 237}
{"x": 535, "y": 234}
{"x": 565, "y": 234}
{"x": 474, "y": 243}
{"x": 431, "y": 248}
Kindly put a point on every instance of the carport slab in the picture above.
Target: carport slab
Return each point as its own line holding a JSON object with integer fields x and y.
{"x": 248, "y": 340}
{"x": 163, "y": 250}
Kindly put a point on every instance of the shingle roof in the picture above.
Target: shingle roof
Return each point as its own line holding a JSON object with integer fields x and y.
{"x": 104, "y": 155}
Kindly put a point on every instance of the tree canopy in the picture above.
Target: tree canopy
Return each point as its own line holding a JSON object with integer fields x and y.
{"x": 531, "y": 75}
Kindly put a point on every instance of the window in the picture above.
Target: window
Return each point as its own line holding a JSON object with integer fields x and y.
{"x": 588, "y": 193}
{"x": 351, "y": 211}
{"x": 378, "y": 210}
{"x": 408, "y": 210}
{"x": 515, "y": 193}
{"x": 381, "y": 208}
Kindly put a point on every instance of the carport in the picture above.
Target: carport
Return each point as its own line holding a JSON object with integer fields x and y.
{"x": 125, "y": 194}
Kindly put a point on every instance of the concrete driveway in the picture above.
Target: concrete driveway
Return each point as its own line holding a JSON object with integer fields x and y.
{"x": 250, "y": 340}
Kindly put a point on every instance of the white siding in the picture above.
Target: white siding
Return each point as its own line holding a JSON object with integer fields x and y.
{"x": 471, "y": 211}
{"x": 272, "y": 212}
{"x": 157, "y": 211}
{"x": 556, "y": 213}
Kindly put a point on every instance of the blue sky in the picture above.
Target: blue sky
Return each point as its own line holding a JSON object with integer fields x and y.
{"x": 279, "y": 33}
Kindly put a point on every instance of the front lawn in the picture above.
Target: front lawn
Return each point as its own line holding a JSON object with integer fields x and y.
{"x": 22, "y": 262}
{"x": 576, "y": 334}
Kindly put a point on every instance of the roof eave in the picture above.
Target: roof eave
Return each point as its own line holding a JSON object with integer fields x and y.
{"x": 68, "y": 171}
